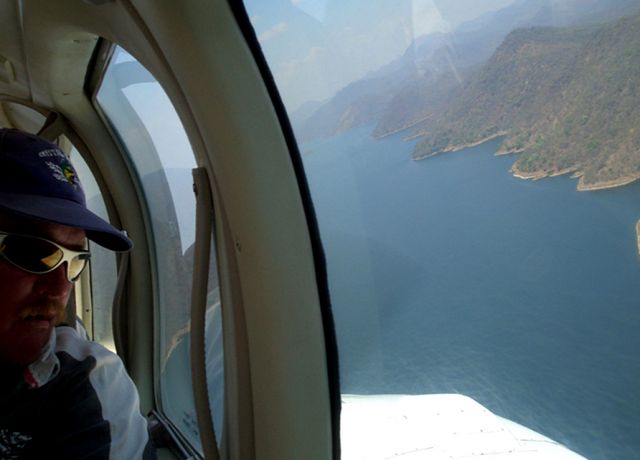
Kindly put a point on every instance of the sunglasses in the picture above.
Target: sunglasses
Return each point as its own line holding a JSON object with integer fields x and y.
{"x": 39, "y": 255}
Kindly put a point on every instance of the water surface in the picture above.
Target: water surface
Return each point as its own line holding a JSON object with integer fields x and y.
{"x": 449, "y": 275}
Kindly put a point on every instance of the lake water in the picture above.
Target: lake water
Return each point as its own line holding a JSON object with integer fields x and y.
{"x": 449, "y": 275}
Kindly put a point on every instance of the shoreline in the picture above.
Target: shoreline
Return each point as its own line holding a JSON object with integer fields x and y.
{"x": 537, "y": 175}
{"x": 576, "y": 174}
{"x": 621, "y": 182}
{"x": 399, "y": 130}
{"x": 544, "y": 174}
{"x": 501, "y": 153}
{"x": 457, "y": 148}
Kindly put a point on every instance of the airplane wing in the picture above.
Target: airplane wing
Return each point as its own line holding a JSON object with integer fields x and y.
{"x": 439, "y": 426}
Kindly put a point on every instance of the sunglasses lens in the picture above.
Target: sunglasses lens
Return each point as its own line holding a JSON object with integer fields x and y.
{"x": 76, "y": 266}
{"x": 32, "y": 254}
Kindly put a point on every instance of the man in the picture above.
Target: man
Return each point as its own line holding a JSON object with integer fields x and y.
{"x": 61, "y": 396}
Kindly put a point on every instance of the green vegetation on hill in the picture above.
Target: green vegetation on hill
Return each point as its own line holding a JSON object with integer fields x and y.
{"x": 418, "y": 102}
{"x": 568, "y": 99}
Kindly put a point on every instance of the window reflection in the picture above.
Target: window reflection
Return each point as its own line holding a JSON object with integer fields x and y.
{"x": 449, "y": 273}
{"x": 148, "y": 125}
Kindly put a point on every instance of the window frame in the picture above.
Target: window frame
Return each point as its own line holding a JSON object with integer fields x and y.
{"x": 166, "y": 432}
{"x": 215, "y": 107}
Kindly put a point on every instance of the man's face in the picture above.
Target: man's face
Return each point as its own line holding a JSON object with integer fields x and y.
{"x": 32, "y": 305}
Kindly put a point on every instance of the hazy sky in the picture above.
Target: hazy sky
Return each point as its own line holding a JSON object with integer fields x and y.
{"x": 316, "y": 47}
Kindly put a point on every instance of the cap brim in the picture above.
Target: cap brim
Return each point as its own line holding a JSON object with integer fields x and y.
{"x": 72, "y": 214}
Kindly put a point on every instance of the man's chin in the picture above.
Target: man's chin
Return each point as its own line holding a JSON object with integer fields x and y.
{"x": 28, "y": 340}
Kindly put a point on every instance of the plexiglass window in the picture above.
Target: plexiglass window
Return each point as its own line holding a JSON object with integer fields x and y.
{"x": 474, "y": 169}
{"x": 147, "y": 124}
{"x": 103, "y": 263}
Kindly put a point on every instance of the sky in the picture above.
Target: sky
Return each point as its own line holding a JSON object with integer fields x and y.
{"x": 316, "y": 47}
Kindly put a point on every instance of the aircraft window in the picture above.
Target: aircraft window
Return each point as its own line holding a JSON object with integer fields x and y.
{"x": 148, "y": 125}
{"x": 97, "y": 318}
{"x": 449, "y": 273}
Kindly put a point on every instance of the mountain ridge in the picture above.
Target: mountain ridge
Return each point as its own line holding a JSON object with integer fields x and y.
{"x": 565, "y": 99}
{"x": 437, "y": 59}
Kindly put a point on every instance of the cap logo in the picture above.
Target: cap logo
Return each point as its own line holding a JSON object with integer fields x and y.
{"x": 69, "y": 173}
{"x": 51, "y": 153}
{"x": 62, "y": 170}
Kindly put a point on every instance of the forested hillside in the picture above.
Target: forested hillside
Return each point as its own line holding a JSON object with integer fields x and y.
{"x": 407, "y": 90}
{"x": 567, "y": 99}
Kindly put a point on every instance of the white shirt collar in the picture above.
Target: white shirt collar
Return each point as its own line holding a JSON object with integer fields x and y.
{"x": 46, "y": 367}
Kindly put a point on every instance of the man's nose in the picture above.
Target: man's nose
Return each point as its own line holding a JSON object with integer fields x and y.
{"x": 55, "y": 283}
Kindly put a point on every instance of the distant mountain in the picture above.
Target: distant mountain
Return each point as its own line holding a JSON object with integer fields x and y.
{"x": 305, "y": 111}
{"x": 475, "y": 42}
{"x": 567, "y": 98}
{"x": 357, "y": 104}
{"x": 405, "y": 91}
{"x": 169, "y": 193}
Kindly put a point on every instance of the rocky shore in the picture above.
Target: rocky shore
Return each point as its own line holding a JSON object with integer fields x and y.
{"x": 457, "y": 148}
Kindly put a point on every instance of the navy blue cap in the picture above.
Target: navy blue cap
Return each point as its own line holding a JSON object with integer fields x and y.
{"x": 37, "y": 180}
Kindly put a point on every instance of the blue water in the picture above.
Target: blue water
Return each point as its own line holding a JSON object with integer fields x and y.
{"x": 450, "y": 275}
